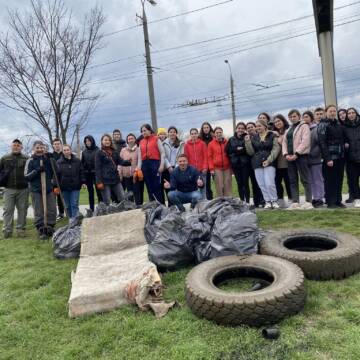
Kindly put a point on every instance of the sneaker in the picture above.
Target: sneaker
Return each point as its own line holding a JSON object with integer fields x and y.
{"x": 306, "y": 206}
{"x": 349, "y": 200}
{"x": 60, "y": 216}
{"x": 267, "y": 206}
{"x": 294, "y": 206}
{"x": 275, "y": 205}
{"x": 357, "y": 203}
{"x": 341, "y": 206}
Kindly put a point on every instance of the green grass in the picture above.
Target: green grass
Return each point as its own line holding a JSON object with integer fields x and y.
{"x": 34, "y": 290}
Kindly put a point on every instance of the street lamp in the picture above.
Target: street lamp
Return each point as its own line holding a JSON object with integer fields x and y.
{"x": 232, "y": 96}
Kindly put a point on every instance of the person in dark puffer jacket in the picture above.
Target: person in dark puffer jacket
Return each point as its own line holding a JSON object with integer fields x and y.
{"x": 331, "y": 140}
{"x": 88, "y": 163}
{"x": 71, "y": 178}
{"x": 40, "y": 163}
{"x": 106, "y": 170}
{"x": 240, "y": 161}
{"x": 352, "y": 150}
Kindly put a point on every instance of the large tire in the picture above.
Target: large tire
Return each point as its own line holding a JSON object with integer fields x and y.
{"x": 322, "y": 255}
{"x": 283, "y": 297}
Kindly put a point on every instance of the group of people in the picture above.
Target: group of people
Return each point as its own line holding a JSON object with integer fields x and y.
{"x": 271, "y": 154}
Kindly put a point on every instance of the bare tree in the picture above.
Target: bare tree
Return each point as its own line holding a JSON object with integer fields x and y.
{"x": 44, "y": 61}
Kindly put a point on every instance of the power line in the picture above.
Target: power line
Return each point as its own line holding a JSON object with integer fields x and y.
{"x": 169, "y": 17}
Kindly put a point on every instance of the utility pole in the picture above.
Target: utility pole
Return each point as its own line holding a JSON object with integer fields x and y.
{"x": 77, "y": 140}
{"x": 232, "y": 97}
{"x": 149, "y": 68}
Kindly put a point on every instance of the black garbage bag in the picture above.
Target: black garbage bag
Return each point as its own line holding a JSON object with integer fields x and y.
{"x": 66, "y": 240}
{"x": 170, "y": 249}
{"x": 235, "y": 232}
{"x": 154, "y": 213}
{"x": 103, "y": 209}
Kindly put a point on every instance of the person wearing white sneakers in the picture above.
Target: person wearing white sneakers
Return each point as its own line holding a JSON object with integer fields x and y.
{"x": 264, "y": 150}
{"x": 295, "y": 148}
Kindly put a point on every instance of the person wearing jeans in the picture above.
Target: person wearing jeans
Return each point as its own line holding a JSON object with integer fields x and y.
{"x": 184, "y": 183}
{"x": 264, "y": 150}
{"x": 296, "y": 148}
{"x": 152, "y": 163}
{"x": 196, "y": 152}
{"x": 107, "y": 162}
{"x": 219, "y": 164}
{"x": 71, "y": 177}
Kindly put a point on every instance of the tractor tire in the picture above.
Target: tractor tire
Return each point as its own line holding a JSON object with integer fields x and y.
{"x": 322, "y": 255}
{"x": 284, "y": 296}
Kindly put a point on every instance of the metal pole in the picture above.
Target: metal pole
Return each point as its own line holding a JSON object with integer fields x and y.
{"x": 232, "y": 97}
{"x": 328, "y": 67}
{"x": 149, "y": 71}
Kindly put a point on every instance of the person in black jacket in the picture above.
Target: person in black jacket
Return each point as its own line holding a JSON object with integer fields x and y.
{"x": 331, "y": 141}
{"x": 40, "y": 163}
{"x": 107, "y": 176}
{"x": 71, "y": 177}
{"x": 352, "y": 150}
{"x": 56, "y": 154}
{"x": 206, "y": 135}
{"x": 118, "y": 141}
{"x": 240, "y": 161}
{"x": 88, "y": 163}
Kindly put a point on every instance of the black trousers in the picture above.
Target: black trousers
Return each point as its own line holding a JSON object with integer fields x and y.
{"x": 353, "y": 174}
{"x": 137, "y": 189}
{"x": 257, "y": 194}
{"x": 242, "y": 175}
{"x": 209, "y": 193}
{"x": 60, "y": 205}
{"x": 333, "y": 181}
{"x": 282, "y": 176}
{"x": 90, "y": 183}
{"x": 166, "y": 176}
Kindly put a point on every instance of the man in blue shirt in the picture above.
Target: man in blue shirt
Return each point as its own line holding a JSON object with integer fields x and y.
{"x": 184, "y": 183}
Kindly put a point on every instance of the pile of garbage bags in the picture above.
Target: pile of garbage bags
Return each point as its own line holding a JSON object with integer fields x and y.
{"x": 223, "y": 226}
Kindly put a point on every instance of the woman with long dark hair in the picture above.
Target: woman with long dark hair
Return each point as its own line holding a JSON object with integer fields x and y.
{"x": 240, "y": 161}
{"x": 207, "y": 135}
{"x": 107, "y": 161}
{"x": 264, "y": 150}
{"x": 352, "y": 150}
{"x": 331, "y": 140}
{"x": 152, "y": 162}
{"x": 280, "y": 127}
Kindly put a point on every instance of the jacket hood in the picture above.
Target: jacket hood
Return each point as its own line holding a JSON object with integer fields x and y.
{"x": 92, "y": 140}
{"x": 352, "y": 124}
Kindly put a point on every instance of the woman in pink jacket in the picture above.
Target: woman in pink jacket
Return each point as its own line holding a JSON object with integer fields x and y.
{"x": 131, "y": 153}
{"x": 296, "y": 148}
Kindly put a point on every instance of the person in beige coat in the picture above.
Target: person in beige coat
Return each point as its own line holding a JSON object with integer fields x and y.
{"x": 296, "y": 148}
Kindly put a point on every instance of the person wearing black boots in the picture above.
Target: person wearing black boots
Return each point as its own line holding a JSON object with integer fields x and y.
{"x": 240, "y": 161}
{"x": 352, "y": 151}
{"x": 207, "y": 135}
{"x": 88, "y": 163}
{"x": 331, "y": 140}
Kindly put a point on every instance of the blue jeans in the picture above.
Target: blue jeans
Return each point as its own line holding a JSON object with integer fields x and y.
{"x": 153, "y": 180}
{"x": 71, "y": 199}
{"x": 179, "y": 198}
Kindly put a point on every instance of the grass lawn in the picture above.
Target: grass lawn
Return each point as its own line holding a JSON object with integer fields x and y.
{"x": 34, "y": 324}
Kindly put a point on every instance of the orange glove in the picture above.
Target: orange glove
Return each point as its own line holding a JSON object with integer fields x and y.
{"x": 100, "y": 186}
{"x": 140, "y": 175}
{"x": 56, "y": 191}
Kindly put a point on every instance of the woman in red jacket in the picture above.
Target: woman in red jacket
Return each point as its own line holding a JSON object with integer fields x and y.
{"x": 196, "y": 152}
{"x": 151, "y": 162}
{"x": 219, "y": 164}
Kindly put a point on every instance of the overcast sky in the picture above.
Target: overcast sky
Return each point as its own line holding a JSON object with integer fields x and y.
{"x": 290, "y": 68}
